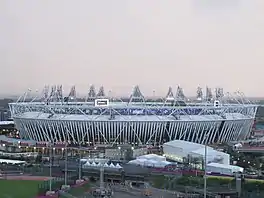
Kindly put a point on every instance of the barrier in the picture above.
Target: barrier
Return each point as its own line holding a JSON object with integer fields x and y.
{"x": 56, "y": 184}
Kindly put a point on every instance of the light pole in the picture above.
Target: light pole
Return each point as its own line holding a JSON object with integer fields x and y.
{"x": 101, "y": 177}
{"x": 80, "y": 163}
{"x": 53, "y": 155}
{"x": 50, "y": 171}
{"x": 205, "y": 170}
{"x": 205, "y": 165}
{"x": 66, "y": 167}
{"x": 120, "y": 153}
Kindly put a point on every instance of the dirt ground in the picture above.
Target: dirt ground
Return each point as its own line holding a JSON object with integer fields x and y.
{"x": 26, "y": 177}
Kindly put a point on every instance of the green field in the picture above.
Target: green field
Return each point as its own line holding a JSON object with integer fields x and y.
{"x": 18, "y": 188}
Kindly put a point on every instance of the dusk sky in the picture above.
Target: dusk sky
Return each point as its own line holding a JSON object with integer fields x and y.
{"x": 121, "y": 43}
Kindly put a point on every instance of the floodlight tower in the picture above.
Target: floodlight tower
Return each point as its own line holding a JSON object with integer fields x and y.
{"x": 199, "y": 94}
{"x": 170, "y": 96}
{"x": 72, "y": 94}
{"x": 136, "y": 95}
{"x": 208, "y": 95}
{"x": 91, "y": 94}
{"x": 180, "y": 94}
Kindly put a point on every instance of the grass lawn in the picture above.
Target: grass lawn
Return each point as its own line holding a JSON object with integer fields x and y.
{"x": 18, "y": 188}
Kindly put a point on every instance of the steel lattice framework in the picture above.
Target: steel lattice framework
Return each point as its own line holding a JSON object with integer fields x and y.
{"x": 137, "y": 121}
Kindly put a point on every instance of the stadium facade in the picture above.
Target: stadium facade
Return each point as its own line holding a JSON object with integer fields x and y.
{"x": 134, "y": 120}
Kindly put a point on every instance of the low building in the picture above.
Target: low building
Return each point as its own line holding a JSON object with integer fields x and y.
{"x": 8, "y": 128}
{"x": 180, "y": 151}
{"x": 139, "y": 151}
{"x": 113, "y": 153}
{"x": 125, "y": 152}
{"x": 223, "y": 169}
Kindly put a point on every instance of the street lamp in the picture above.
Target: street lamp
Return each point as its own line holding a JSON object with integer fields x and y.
{"x": 80, "y": 163}
{"x": 120, "y": 153}
{"x": 50, "y": 166}
{"x": 53, "y": 155}
{"x": 205, "y": 170}
{"x": 205, "y": 166}
{"x": 66, "y": 166}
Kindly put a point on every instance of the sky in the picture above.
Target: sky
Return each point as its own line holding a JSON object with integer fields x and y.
{"x": 122, "y": 43}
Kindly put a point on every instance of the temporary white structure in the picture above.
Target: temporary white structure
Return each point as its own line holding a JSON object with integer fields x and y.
{"x": 178, "y": 150}
{"x": 6, "y": 161}
{"x": 149, "y": 162}
{"x": 105, "y": 165}
{"x": 96, "y": 160}
{"x": 224, "y": 169}
{"x": 152, "y": 157}
{"x": 212, "y": 155}
{"x": 118, "y": 166}
{"x": 112, "y": 165}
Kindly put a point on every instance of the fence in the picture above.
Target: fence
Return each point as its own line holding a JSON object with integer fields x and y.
{"x": 56, "y": 183}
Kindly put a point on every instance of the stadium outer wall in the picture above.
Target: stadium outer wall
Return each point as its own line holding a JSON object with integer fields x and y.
{"x": 36, "y": 124}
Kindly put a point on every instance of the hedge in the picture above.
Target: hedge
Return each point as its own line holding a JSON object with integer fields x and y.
{"x": 247, "y": 185}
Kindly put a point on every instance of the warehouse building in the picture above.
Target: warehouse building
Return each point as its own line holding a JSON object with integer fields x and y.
{"x": 182, "y": 151}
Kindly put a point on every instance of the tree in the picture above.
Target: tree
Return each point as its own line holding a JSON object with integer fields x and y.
{"x": 196, "y": 161}
{"x": 128, "y": 154}
{"x": 38, "y": 158}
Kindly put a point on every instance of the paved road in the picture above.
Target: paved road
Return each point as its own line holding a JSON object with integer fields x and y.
{"x": 128, "y": 192}
{"x": 156, "y": 193}
{"x": 124, "y": 195}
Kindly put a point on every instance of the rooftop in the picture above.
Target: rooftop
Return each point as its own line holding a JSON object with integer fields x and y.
{"x": 6, "y": 122}
{"x": 223, "y": 165}
{"x": 186, "y": 146}
{"x": 174, "y": 96}
{"x": 13, "y": 140}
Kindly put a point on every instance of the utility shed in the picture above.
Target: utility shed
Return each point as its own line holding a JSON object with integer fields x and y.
{"x": 223, "y": 169}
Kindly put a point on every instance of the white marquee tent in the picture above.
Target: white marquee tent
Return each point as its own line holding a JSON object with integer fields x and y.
{"x": 7, "y": 161}
{"x": 98, "y": 165}
{"x": 152, "y": 157}
{"x": 150, "y": 160}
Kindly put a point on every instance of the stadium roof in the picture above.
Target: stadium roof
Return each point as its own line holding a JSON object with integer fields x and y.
{"x": 79, "y": 117}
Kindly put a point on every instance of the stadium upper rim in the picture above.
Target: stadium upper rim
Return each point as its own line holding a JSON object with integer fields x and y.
{"x": 55, "y": 95}
{"x": 171, "y": 107}
{"x": 53, "y": 116}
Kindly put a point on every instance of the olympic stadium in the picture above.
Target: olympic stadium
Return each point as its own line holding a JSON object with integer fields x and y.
{"x": 210, "y": 118}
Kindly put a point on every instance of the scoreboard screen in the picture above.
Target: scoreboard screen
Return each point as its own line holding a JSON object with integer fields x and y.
{"x": 101, "y": 102}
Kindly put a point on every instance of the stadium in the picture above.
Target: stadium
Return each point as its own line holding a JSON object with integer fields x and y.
{"x": 207, "y": 119}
